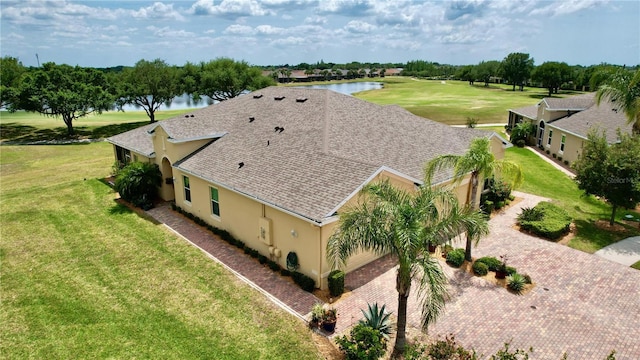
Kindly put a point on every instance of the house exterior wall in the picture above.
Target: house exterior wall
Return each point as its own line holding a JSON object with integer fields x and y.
{"x": 572, "y": 146}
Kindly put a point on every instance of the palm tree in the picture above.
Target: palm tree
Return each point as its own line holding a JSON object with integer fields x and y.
{"x": 392, "y": 220}
{"x": 480, "y": 163}
{"x": 623, "y": 88}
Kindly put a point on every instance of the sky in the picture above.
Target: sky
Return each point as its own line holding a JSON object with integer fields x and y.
{"x": 277, "y": 32}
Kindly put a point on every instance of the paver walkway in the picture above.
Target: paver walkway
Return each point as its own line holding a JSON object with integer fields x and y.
{"x": 582, "y": 305}
{"x": 284, "y": 292}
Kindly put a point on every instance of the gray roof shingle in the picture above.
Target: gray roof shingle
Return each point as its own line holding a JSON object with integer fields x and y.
{"x": 331, "y": 144}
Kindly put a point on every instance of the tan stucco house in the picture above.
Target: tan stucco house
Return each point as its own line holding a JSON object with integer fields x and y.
{"x": 562, "y": 125}
{"x": 276, "y": 166}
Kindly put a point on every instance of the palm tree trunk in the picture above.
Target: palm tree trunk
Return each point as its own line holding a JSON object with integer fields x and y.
{"x": 472, "y": 204}
{"x": 401, "y": 337}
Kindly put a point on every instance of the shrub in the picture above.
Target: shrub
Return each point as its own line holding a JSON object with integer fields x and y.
{"x": 500, "y": 204}
{"x": 521, "y": 132}
{"x": 511, "y": 197}
{"x": 376, "y": 318}
{"x": 566, "y": 162}
{"x": 285, "y": 272}
{"x": 554, "y": 155}
{"x": 531, "y": 214}
{"x": 516, "y": 282}
{"x": 498, "y": 191}
{"x": 559, "y": 158}
{"x": 527, "y": 279}
{"x": 553, "y": 224}
{"x": 449, "y": 349}
{"x": 492, "y": 263}
{"x": 448, "y": 248}
{"x": 510, "y": 270}
{"x": 262, "y": 259}
{"x": 488, "y": 206}
{"x": 455, "y": 257}
{"x": 273, "y": 265}
{"x": 480, "y": 268}
{"x": 506, "y": 354}
{"x": 548, "y": 152}
{"x": 520, "y": 143}
{"x": 363, "y": 343}
{"x": 305, "y": 282}
{"x": 138, "y": 183}
{"x": 336, "y": 282}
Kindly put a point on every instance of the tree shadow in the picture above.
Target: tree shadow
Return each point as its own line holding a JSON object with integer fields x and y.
{"x": 19, "y": 133}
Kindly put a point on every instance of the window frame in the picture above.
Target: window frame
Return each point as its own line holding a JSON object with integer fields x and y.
{"x": 214, "y": 203}
{"x": 549, "y": 137}
{"x": 563, "y": 141}
{"x": 187, "y": 188}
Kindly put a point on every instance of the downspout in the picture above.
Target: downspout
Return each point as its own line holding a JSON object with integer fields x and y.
{"x": 321, "y": 256}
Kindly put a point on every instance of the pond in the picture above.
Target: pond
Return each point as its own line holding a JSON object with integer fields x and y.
{"x": 184, "y": 101}
{"x": 348, "y": 88}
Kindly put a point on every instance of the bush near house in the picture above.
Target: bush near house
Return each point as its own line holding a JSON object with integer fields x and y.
{"x": 137, "y": 183}
{"x": 545, "y": 220}
{"x": 496, "y": 196}
{"x": 336, "y": 282}
{"x": 456, "y": 257}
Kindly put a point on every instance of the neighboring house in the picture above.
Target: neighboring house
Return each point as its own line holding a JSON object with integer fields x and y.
{"x": 562, "y": 125}
{"x": 276, "y": 167}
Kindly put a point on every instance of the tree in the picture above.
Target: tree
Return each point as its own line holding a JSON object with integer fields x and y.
{"x": 138, "y": 183}
{"x": 516, "y": 68}
{"x": 391, "y": 220}
{"x": 225, "y": 78}
{"x": 487, "y": 69}
{"x": 65, "y": 91}
{"x": 623, "y": 89}
{"x": 552, "y": 75}
{"x": 481, "y": 164}
{"x": 149, "y": 84}
{"x": 611, "y": 172}
{"x": 11, "y": 72}
{"x": 468, "y": 73}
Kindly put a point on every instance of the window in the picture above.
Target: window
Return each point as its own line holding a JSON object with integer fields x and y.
{"x": 187, "y": 189}
{"x": 550, "y": 135}
{"x": 562, "y": 143}
{"x": 215, "y": 205}
{"x": 123, "y": 155}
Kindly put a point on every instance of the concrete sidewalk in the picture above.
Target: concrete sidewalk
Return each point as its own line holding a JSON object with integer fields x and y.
{"x": 625, "y": 252}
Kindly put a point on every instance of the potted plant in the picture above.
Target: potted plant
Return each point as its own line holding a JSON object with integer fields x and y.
{"x": 501, "y": 270}
{"x": 432, "y": 246}
{"x": 317, "y": 313}
{"x": 329, "y": 319}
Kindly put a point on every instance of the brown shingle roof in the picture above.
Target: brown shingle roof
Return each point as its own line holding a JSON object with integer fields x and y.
{"x": 137, "y": 140}
{"x": 602, "y": 117}
{"x": 331, "y": 144}
{"x": 530, "y": 112}
{"x": 577, "y": 103}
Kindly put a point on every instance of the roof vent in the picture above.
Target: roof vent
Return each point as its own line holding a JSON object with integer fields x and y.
{"x": 278, "y": 98}
{"x": 281, "y": 129}
{"x": 251, "y": 119}
{"x": 240, "y": 165}
{"x": 257, "y": 96}
{"x": 277, "y": 128}
{"x": 301, "y": 99}
{"x": 192, "y": 115}
{"x": 186, "y": 116}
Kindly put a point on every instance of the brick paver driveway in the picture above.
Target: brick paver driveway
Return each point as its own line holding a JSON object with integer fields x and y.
{"x": 582, "y": 305}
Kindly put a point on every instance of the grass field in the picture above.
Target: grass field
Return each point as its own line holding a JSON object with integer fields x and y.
{"x": 452, "y": 102}
{"x": 543, "y": 179}
{"x": 29, "y": 127}
{"x": 84, "y": 277}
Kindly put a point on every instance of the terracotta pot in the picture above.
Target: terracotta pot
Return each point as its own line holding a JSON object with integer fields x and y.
{"x": 329, "y": 326}
{"x": 501, "y": 274}
{"x": 432, "y": 248}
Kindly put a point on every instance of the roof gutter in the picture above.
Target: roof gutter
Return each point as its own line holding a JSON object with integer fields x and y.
{"x": 150, "y": 155}
{"x": 206, "y": 137}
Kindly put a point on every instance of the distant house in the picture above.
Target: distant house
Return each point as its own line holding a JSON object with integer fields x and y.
{"x": 277, "y": 166}
{"x": 562, "y": 125}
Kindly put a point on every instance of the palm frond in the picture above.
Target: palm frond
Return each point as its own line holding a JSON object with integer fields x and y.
{"x": 432, "y": 290}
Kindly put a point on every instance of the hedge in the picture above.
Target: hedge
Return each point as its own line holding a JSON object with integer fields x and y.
{"x": 336, "y": 282}
{"x": 553, "y": 224}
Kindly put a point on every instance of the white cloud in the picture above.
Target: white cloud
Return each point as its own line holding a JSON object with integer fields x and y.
{"x": 566, "y": 7}
{"x": 317, "y": 20}
{"x": 229, "y": 8}
{"x": 157, "y": 11}
{"x": 270, "y": 30}
{"x": 360, "y": 27}
{"x": 236, "y": 29}
{"x": 166, "y": 32}
{"x": 289, "y": 41}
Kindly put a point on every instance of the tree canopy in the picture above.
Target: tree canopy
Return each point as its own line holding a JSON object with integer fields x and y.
{"x": 65, "y": 91}
{"x": 224, "y": 78}
{"x": 149, "y": 84}
{"x": 11, "y": 72}
{"x": 516, "y": 68}
{"x": 611, "y": 172}
{"x": 622, "y": 87}
{"x": 552, "y": 75}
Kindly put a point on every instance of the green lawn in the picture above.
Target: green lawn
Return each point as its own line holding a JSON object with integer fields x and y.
{"x": 452, "y": 102}
{"x": 28, "y": 127}
{"x": 84, "y": 277}
{"x": 543, "y": 179}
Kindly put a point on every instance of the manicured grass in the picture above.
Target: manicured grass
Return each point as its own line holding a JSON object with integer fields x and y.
{"x": 544, "y": 180}
{"x": 452, "y": 102}
{"x": 29, "y": 127}
{"x": 636, "y": 265}
{"x": 84, "y": 277}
